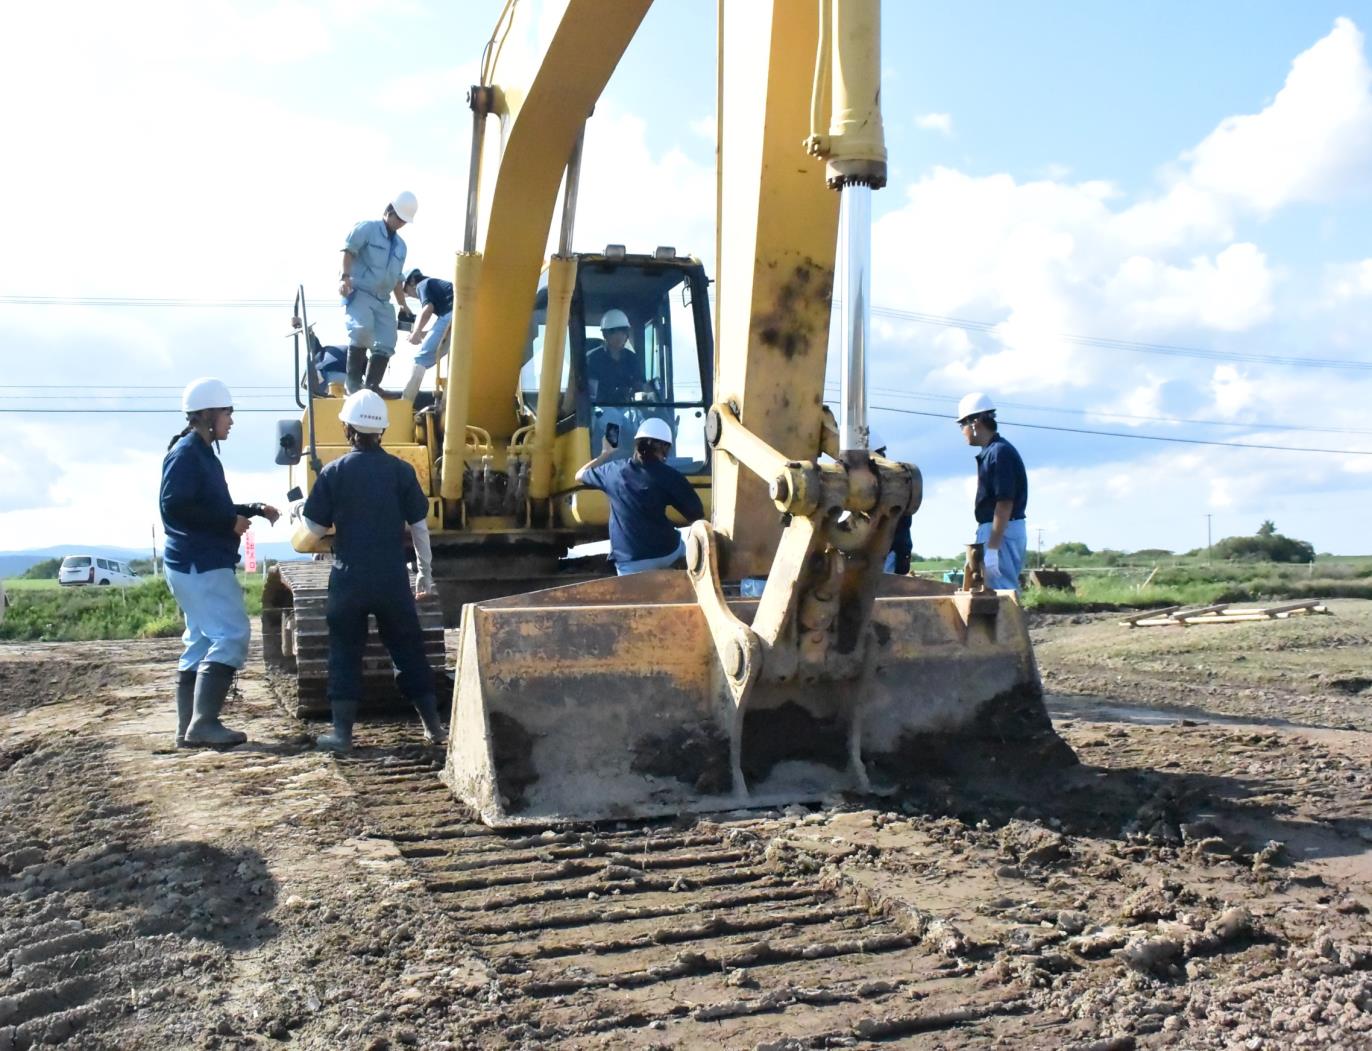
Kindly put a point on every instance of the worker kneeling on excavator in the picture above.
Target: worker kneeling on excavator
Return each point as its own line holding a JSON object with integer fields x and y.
{"x": 641, "y": 489}
{"x": 369, "y": 496}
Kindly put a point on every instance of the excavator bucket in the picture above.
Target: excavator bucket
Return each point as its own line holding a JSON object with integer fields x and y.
{"x": 605, "y": 700}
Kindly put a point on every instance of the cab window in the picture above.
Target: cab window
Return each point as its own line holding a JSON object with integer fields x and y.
{"x": 657, "y": 372}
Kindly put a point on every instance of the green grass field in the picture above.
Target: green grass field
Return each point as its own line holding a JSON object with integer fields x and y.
{"x": 43, "y": 611}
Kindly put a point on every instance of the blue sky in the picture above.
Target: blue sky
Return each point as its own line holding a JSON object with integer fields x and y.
{"x": 1177, "y": 175}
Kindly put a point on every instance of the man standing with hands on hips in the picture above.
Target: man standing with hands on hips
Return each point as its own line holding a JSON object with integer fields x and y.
{"x": 1002, "y": 493}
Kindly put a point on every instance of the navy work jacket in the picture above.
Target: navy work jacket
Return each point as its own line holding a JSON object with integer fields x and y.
{"x": 198, "y": 515}
{"x": 640, "y": 494}
{"x": 368, "y": 496}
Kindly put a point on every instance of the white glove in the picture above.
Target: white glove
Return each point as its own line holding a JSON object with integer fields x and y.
{"x": 990, "y": 562}
{"x": 423, "y": 585}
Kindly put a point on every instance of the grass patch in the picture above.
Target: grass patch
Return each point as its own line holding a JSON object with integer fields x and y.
{"x": 144, "y": 611}
{"x": 1202, "y": 585}
{"x": 23, "y": 584}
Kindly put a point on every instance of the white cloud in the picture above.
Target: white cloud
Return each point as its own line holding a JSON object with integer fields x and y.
{"x": 1228, "y": 293}
{"x": 1314, "y": 142}
{"x": 706, "y": 128}
{"x": 1348, "y": 281}
{"x": 939, "y": 122}
{"x": 1232, "y": 391}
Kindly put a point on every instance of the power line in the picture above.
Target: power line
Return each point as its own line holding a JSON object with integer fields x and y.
{"x": 169, "y": 410}
{"x": 918, "y": 317}
{"x": 124, "y": 386}
{"x": 1134, "y": 346}
{"x": 136, "y": 301}
{"x": 1254, "y": 425}
{"x": 883, "y": 408}
{"x": 1144, "y": 437}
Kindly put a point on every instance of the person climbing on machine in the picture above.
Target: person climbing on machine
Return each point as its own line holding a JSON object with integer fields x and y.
{"x": 436, "y": 297}
{"x": 203, "y": 527}
{"x": 641, "y": 488}
{"x": 369, "y": 496}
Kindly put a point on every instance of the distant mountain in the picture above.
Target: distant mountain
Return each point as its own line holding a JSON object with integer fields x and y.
{"x": 14, "y": 563}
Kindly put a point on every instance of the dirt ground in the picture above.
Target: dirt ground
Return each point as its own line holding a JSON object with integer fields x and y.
{"x": 1201, "y": 879}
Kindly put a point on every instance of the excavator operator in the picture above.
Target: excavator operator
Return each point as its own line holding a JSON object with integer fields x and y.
{"x": 612, "y": 370}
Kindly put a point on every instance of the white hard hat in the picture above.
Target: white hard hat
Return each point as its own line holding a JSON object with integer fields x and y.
{"x": 655, "y": 429}
{"x": 365, "y": 412}
{"x": 613, "y": 319}
{"x": 875, "y": 441}
{"x": 974, "y": 404}
{"x": 405, "y": 205}
{"x": 206, "y": 393}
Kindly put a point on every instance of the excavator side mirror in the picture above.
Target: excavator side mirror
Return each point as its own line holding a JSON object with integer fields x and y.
{"x": 289, "y": 439}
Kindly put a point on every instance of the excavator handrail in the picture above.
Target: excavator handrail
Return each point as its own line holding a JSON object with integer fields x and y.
{"x": 310, "y": 377}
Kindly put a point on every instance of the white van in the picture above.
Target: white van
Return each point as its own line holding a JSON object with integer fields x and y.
{"x": 90, "y": 569}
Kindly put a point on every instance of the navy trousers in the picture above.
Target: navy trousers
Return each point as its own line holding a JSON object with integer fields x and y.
{"x": 397, "y": 619}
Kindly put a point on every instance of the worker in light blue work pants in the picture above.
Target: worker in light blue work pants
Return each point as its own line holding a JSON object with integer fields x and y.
{"x": 216, "y": 619}
{"x": 1013, "y": 545}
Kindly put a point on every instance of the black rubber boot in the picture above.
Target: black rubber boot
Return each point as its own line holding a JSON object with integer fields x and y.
{"x": 428, "y": 715}
{"x": 211, "y": 687}
{"x": 357, "y": 364}
{"x": 376, "y": 372}
{"x": 341, "y": 739}
{"x": 185, "y": 703}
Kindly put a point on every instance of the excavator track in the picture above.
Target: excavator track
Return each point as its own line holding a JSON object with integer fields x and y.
{"x": 670, "y": 935}
{"x": 295, "y": 644}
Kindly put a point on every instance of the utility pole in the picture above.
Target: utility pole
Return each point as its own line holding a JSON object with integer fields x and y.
{"x": 1040, "y": 549}
{"x": 1208, "y": 545}
{"x": 154, "y": 550}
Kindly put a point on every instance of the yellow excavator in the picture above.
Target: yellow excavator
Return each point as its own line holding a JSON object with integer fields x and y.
{"x": 782, "y": 665}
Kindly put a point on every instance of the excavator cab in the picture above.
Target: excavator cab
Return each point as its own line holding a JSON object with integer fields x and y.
{"x": 664, "y": 371}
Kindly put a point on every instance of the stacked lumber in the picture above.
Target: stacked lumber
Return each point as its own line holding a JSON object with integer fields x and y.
{"x": 1221, "y": 613}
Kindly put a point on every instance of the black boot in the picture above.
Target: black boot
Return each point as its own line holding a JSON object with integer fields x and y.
{"x": 376, "y": 371}
{"x": 185, "y": 703}
{"x": 211, "y": 687}
{"x": 357, "y": 364}
{"x": 428, "y": 715}
{"x": 341, "y": 739}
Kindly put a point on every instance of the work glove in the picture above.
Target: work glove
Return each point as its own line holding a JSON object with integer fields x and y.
{"x": 423, "y": 585}
{"x": 990, "y": 561}
{"x": 903, "y": 565}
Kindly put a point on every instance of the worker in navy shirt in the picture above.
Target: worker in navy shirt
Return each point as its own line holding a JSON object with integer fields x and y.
{"x": 1002, "y": 494}
{"x": 369, "y": 496}
{"x": 612, "y": 370}
{"x": 436, "y": 299}
{"x": 373, "y": 261}
{"x": 641, "y": 488}
{"x": 202, "y": 526}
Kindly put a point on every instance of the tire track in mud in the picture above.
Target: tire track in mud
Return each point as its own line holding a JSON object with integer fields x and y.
{"x": 98, "y": 917}
{"x": 658, "y": 935}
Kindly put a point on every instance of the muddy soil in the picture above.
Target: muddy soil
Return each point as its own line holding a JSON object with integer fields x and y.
{"x": 1201, "y": 879}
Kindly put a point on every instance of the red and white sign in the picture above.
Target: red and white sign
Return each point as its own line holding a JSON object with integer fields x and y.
{"x": 249, "y": 552}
